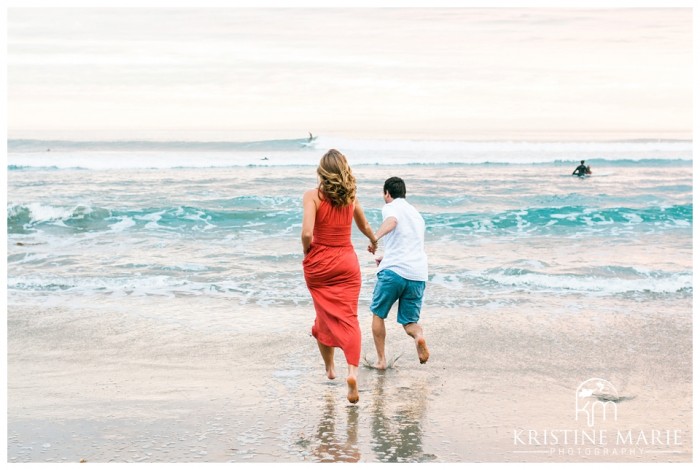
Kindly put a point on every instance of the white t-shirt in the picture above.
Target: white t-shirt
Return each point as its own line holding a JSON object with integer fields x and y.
{"x": 403, "y": 247}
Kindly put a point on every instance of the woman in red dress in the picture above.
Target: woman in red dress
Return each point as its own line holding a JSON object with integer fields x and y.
{"x": 331, "y": 268}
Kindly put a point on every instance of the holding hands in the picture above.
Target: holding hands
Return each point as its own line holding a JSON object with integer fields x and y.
{"x": 372, "y": 248}
{"x": 373, "y": 244}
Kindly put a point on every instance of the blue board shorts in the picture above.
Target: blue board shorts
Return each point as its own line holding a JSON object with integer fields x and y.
{"x": 391, "y": 287}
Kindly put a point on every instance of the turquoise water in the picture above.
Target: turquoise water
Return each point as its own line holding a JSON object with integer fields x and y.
{"x": 89, "y": 223}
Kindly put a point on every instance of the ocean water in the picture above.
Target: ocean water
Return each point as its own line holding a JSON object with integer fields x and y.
{"x": 109, "y": 221}
{"x": 145, "y": 266}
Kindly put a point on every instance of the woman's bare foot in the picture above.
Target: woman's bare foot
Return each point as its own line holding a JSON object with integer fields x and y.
{"x": 327, "y": 355}
{"x": 330, "y": 371}
{"x": 353, "y": 392}
{"x": 422, "y": 348}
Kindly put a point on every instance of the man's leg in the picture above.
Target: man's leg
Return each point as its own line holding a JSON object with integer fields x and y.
{"x": 379, "y": 334}
{"x": 409, "y": 315}
{"x": 415, "y": 331}
{"x": 386, "y": 292}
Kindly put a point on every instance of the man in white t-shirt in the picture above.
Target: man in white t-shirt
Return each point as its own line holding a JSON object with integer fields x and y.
{"x": 402, "y": 272}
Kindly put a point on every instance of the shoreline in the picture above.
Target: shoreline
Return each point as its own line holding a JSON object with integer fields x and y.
{"x": 99, "y": 386}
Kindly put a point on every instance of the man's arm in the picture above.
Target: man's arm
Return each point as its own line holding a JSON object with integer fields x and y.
{"x": 387, "y": 226}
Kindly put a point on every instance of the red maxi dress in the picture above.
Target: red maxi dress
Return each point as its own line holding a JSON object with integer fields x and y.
{"x": 332, "y": 274}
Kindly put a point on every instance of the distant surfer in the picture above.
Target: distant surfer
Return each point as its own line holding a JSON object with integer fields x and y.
{"x": 311, "y": 137}
{"x": 264, "y": 158}
{"x": 582, "y": 169}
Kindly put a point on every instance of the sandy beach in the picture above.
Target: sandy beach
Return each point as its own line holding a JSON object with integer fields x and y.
{"x": 110, "y": 385}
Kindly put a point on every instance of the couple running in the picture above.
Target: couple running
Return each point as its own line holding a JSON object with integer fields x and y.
{"x": 332, "y": 270}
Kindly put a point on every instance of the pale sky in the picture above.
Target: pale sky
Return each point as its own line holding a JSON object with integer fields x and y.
{"x": 467, "y": 73}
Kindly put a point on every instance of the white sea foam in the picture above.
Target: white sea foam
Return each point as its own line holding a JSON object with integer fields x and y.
{"x": 360, "y": 151}
{"x": 45, "y": 213}
{"x": 592, "y": 284}
{"x": 137, "y": 285}
{"x": 513, "y": 147}
{"x": 152, "y": 219}
{"x": 123, "y": 224}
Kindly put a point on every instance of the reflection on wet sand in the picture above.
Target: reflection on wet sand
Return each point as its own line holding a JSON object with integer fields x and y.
{"x": 397, "y": 416}
{"x": 333, "y": 446}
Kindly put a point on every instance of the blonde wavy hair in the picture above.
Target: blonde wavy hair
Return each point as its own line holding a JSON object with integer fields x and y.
{"x": 337, "y": 182}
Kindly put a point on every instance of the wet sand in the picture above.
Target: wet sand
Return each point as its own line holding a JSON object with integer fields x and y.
{"x": 119, "y": 385}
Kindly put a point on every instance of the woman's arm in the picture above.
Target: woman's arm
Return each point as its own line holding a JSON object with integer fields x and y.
{"x": 308, "y": 220}
{"x": 363, "y": 225}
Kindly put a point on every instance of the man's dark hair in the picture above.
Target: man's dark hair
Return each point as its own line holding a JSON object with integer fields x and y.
{"x": 395, "y": 187}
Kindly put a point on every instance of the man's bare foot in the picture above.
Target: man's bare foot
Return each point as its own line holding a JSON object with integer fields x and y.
{"x": 353, "y": 393}
{"x": 380, "y": 364}
{"x": 330, "y": 371}
{"x": 422, "y": 348}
